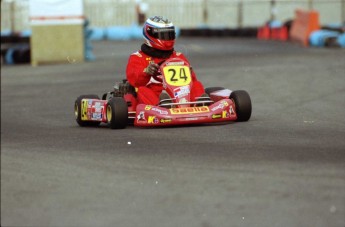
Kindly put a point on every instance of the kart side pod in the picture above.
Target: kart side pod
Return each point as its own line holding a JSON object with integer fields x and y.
{"x": 89, "y": 110}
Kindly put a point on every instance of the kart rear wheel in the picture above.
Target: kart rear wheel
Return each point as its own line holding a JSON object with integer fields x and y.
{"x": 243, "y": 104}
{"x": 77, "y": 111}
{"x": 117, "y": 113}
{"x": 209, "y": 90}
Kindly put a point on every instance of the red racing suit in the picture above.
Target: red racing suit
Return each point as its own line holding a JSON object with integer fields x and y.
{"x": 148, "y": 92}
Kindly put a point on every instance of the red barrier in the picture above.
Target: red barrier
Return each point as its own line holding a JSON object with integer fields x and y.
{"x": 305, "y": 22}
{"x": 264, "y": 32}
{"x": 280, "y": 33}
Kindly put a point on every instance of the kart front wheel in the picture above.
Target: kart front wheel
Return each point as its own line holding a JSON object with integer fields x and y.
{"x": 117, "y": 113}
{"x": 243, "y": 104}
{"x": 77, "y": 111}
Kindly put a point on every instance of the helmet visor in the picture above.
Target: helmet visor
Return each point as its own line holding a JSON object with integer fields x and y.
{"x": 162, "y": 33}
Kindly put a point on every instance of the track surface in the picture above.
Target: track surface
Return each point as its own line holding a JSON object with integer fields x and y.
{"x": 285, "y": 167}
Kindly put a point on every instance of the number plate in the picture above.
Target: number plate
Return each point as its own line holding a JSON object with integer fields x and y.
{"x": 177, "y": 75}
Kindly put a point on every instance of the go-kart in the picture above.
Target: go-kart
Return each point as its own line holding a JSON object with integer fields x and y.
{"x": 120, "y": 107}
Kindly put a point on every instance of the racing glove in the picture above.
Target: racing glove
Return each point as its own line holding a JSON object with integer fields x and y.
{"x": 151, "y": 69}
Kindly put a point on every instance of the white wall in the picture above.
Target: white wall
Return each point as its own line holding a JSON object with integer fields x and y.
{"x": 184, "y": 13}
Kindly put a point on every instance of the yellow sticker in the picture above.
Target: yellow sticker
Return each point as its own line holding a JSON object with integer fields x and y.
{"x": 190, "y": 110}
{"x": 224, "y": 114}
{"x": 177, "y": 75}
{"x": 83, "y": 110}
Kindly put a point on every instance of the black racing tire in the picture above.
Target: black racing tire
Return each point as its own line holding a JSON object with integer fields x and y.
{"x": 209, "y": 90}
{"x": 117, "y": 113}
{"x": 243, "y": 104}
{"x": 77, "y": 112}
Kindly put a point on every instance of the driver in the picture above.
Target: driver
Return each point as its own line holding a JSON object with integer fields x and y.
{"x": 142, "y": 67}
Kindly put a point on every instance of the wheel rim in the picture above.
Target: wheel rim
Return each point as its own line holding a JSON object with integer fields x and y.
{"x": 76, "y": 110}
{"x": 109, "y": 113}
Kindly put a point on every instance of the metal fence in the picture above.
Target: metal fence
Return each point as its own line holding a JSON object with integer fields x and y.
{"x": 184, "y": 13}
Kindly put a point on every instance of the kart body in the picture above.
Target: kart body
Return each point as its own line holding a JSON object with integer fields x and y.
{"x": 120, "y": 107}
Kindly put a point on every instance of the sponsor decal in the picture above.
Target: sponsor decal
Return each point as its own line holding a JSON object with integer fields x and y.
{"x": 175, "y": 63}
{"x": 190, "y": 110}
{"x": 160, "y": 111}
{"x": 181, "y": 91}
{"x": 216, "y": 116}
{"x": 148, "y": 107}
{"x": 83, "y": 111}
{"x": 166, "y": 29}
{"x": 191, "y": 118}
{"x": 98, "y": 109}
{"x": 231, "y": 111}
{"x": 225, "y": 114}
{"x": 165, "y": 120}
{"x": 96, "y": 116}
{"x": 221, "y": 105}
{"x": 141, "y": 116}
{"x": 152, "y": 120}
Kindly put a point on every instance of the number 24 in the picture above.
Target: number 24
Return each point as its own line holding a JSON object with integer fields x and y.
{"x": 181, "y": 75}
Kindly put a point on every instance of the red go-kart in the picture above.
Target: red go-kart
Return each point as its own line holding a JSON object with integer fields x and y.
{"x": 120, "y": 107}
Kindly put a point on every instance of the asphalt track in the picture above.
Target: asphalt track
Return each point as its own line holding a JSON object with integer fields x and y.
{"x": 285, "y": 167}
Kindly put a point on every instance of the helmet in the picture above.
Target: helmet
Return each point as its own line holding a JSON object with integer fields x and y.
{"x": 159, "y": 33}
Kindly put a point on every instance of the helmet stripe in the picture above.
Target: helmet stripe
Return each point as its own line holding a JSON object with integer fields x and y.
{"x": 159, "y": 25}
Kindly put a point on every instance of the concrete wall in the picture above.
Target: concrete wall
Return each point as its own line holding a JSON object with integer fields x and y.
{"x": 57, "y": 43}
{"x": 185, "y": 13}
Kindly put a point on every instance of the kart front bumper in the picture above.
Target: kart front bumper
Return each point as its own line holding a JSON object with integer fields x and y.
{"x": 153, "y": 116}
